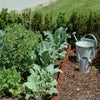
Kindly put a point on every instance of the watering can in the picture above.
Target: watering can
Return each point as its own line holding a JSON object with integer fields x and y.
{"x": 84, "y": 65}
{"x": 85, "y": 47}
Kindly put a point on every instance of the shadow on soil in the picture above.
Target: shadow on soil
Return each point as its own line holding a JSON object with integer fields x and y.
{"x": 96, "y": 61}
{"x": 72, "y": 58}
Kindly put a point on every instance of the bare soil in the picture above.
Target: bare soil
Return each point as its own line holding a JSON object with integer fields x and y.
{"x": 78, "y": 86}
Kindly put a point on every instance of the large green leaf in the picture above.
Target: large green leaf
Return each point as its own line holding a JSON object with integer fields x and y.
{"x": 37, "y": 67}
{"x": 50, "y": 68}
{"x": 33, "y": 82}
{"x": 53, "y": 83}
{"x": 52, "y": 90}
{"x": 60, "y": 35}
{"x": 49, "y": 35}
{"x": 45, "y": 58}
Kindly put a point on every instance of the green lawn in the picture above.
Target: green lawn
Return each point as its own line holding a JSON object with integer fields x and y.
{"x": 68, "y": 6}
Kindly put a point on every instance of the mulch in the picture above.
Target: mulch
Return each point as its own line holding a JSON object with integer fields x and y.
{"x": 78, "y": 86}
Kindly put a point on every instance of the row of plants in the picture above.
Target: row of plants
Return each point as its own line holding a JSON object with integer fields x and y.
{"x": 27, "y": 61}
{"x": 81, "y": 23}
{"x": 16, "y": 57}
{"x": 27, "y": 19}
{"x": 43, "y": 71}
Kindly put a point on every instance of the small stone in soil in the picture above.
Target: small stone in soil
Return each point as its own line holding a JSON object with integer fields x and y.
{"x": 78, "y": 89}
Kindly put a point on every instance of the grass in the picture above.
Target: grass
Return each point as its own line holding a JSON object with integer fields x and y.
{"x": 68, "y": 6}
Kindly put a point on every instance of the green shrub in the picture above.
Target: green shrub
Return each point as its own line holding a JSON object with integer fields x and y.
{"x": 26, "y": 18}
{"x": 3, "y": 21}
{"x": 18, "y": 48}
{"x": 84, "y": 24}
{"x": 48, "y": 23}
{"x": 9, "y": 82}
{"x": 37, "y": 22}
{"x": 78, "y": 23}
{"x": 61, "y": 20}
{"x": 93, "y": 25}
{"x": 13, "y": 17}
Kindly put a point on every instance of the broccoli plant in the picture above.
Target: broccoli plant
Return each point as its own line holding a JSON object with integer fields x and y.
{"x": 41, "y": 82}
{"x": 49, "y": 48}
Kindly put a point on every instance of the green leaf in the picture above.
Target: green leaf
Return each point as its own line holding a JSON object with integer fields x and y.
{"x": 53, "y": 83}
{"x": 33, "y": 81}
{"x": 36, "y": 67}
{"x": 49, "y": 36}
{"x": 45, "y": 58}
{"x": 94, "y": 68}
{"x": 62, "y": 54}
{"x": 1, "y": 33}
{"x": 52, "y": 90}
{"x": 28, "y": 96}
{"x": 52, "y": 70}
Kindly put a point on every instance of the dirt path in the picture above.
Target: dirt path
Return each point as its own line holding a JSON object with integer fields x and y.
{"x": 41, "y": 5}
{"x": 78, "y": 86}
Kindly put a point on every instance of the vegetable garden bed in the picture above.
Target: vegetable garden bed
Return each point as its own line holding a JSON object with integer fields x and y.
{"x": 27, "y": 72}
{"x": 61, "y": 64}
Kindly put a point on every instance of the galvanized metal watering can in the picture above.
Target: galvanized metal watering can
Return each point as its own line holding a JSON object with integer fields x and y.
{"x": 84, "y": 65}
{"x": 85, "y": 47}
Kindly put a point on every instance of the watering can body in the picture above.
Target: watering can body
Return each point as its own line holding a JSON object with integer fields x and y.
{"x": 85, "y": 47}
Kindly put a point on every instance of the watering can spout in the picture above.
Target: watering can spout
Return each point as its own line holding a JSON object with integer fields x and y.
{"x": 75, "y": 36}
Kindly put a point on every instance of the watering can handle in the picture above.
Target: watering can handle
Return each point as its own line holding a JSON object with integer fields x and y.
{"x": 91, "y": 36}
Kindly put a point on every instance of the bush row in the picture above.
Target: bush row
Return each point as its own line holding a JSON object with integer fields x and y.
{"x": 27, "y": 19}
{"x": 80, "y": 23}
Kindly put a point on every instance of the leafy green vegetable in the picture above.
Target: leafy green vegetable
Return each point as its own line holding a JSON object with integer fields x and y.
{"x": 41, "y": 82}
{"x": 10, "y": 82}
{"x": 49, "y": 48}
{"x": 19, "y": 44}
